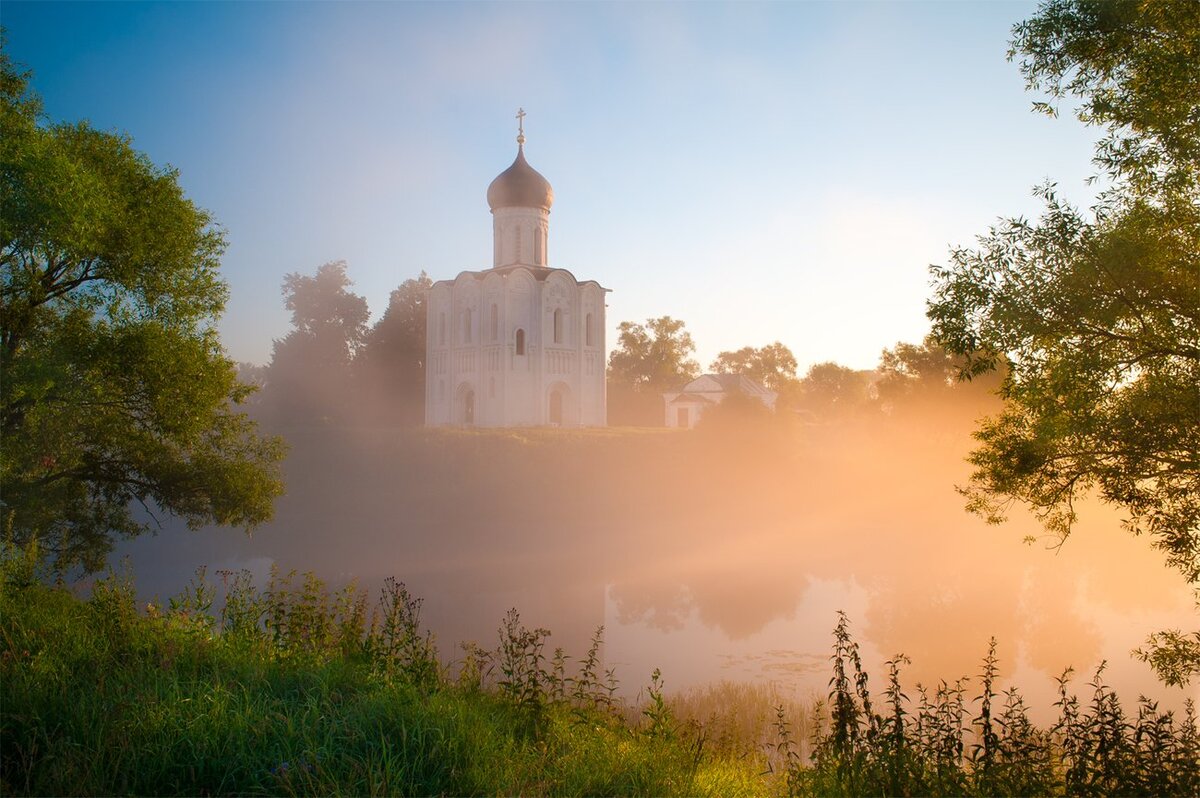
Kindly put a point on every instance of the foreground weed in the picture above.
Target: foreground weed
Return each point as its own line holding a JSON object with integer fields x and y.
{"x": 944, "y": 749}
{"x": 293, "y": 691}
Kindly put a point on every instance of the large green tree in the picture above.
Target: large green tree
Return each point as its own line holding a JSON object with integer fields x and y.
{"x": 115, "y": 389}
{"x": 1096, "y": 315}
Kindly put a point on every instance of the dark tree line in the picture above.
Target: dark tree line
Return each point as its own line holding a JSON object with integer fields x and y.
{"x": 333, "y": 367}
{"x": 656, "y": 357}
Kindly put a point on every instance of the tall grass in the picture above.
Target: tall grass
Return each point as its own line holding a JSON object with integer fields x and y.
{"x": 742, "y": 716}
{"x": 961, "y": 741}
{"x": 298, "y": 690}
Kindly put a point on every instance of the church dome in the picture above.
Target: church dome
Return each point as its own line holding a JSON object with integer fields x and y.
{"x": 520, "y": 186}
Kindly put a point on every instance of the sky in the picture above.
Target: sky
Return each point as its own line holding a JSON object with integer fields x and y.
{"x": 763, "y": 171}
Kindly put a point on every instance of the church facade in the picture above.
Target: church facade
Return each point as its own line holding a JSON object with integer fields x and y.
{"x": 521, "y": 343}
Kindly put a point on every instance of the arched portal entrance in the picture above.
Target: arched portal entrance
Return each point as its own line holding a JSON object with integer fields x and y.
{"x": 560, "y": 409}
{"x": 464, "y": 405}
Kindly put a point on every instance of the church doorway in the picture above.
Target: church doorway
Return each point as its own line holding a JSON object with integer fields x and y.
{"x": 465, "y": 405}
{"x": 560, "y": 410}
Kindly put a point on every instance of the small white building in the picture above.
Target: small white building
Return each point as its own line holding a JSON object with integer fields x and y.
{"x": 685, "y": 407}
{"x": 521, "y": 343}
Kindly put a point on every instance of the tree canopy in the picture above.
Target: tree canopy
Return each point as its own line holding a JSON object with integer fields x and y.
{"x": 391, "y": 363}
{"x": 829, "y": 391}
{"x": 1132, "y": 67}
{"x": 773, "y": 365}
{"x": 309, "y": 376}
{"x": 1096, "y": 315}
{"x": 115, "y": 387}
{"x": 655, "y": 356}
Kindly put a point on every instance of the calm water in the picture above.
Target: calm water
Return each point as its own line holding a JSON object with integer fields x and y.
{"x": 709, "y": 557}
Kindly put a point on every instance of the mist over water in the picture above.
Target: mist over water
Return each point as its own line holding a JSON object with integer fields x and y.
{"x": 721, "y": 553}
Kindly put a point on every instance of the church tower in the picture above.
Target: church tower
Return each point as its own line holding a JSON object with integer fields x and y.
{"x": 521, "y": 343}
{"x": 520, "y": 199}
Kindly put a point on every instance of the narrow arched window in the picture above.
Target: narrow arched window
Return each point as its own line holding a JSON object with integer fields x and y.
{"x": 520, "y": 342}
{"x": 558, "y": 325}
{"x": 587, "y": 330}
{"x": 495, "y": 322}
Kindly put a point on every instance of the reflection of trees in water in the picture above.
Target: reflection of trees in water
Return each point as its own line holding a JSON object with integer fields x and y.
{"x": 727, "y": 527}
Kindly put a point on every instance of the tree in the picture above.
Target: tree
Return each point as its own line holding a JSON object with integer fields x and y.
{"x": 1131, "y": 64}
{"x": 653, "y": 356}
{"x": 743, "y": 423}
{"x": 391, "y": 363}
{"x": 927, "y": 374}
{"x": 324, "y": 311}
{"x": 1097, "y": 315}
{"x": 773, "y": 365}
{"x": 829, "y": 390}
{"x": 308, "y": 379}
{"x": 115, "y": 387}
{"x": 648, "y": 360}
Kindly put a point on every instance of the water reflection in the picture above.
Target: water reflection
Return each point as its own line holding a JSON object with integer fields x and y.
{"x": 718, "y": 555}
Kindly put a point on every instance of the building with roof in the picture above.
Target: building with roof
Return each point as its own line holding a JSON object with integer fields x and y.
{"x": 521, "y": 343}
{"x": 685, "y": 407}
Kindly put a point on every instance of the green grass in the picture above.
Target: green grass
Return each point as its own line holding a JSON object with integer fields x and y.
{"x": 316, "y": 696}
{"x": 294, "y": 690}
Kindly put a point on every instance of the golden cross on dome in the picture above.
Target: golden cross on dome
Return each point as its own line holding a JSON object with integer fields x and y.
{"x": 520, "y": 125}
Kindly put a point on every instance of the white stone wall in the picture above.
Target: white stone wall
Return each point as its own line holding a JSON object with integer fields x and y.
{"x": 520, "y": 236}
{"x": 476, "y": 371}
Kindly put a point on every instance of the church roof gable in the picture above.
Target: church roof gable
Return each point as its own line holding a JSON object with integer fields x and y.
{"x": 539, "y": 273}
{"x": 725, "y": 383}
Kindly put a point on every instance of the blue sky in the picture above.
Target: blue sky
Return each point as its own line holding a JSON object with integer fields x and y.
{"x": 763, "y": 171}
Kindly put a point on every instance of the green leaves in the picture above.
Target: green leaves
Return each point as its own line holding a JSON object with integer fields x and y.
{"x": 1097, "y": 316}
{"x": 1134, "y": 67}
{"x": 115, "y": 388}
{"x": 1099, "y": 324}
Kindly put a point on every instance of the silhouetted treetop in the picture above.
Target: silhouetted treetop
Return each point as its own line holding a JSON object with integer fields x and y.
{"x": 773, "y": 365}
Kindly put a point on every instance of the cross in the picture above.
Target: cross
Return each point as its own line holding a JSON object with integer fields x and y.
{"x": 521, "y": 121}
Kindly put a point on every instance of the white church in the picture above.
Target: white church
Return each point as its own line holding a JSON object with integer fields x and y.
{"x": 521, "y": 343}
